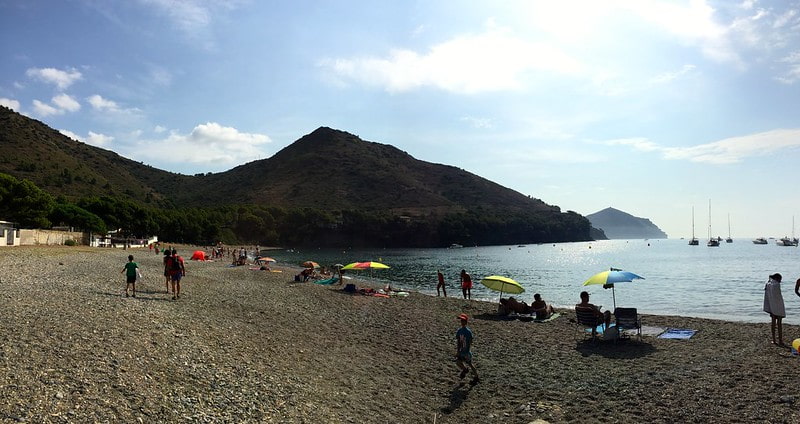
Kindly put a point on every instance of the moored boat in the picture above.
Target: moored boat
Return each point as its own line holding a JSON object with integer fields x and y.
{"x": 760, "y": 240}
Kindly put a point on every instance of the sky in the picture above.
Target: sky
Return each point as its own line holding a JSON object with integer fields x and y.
{"x": 652, "y": 107}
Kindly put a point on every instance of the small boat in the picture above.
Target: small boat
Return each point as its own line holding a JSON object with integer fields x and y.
{"x": 455, "y": 246}
{"x": 760, "y": 240}
{"x": 693, "y": 241}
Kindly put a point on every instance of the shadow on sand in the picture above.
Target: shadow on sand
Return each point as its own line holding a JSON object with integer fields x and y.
{"x": 620, "y": 349}
{"x": 458, "y": 396}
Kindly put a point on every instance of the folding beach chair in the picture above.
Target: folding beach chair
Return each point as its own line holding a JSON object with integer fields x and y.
{"x": 586, "y": 319}
{"x": 628, "y": 319}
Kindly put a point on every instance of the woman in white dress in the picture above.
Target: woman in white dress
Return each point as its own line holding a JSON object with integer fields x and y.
{"x": 773, "y": 305}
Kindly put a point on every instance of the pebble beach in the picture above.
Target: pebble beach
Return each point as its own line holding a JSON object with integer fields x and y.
{"x": 255, "y": 346}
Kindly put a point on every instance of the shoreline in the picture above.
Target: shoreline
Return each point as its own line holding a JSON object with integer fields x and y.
{"x": 248, "y": 346}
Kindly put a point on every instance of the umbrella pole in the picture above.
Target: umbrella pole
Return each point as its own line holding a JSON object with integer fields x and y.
{"x": 614, "y": 297}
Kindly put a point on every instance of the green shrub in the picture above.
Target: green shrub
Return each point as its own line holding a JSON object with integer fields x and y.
{"x": 70, "y": 242}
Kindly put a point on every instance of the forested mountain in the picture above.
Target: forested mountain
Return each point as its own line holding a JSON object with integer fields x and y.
{"x": 617, "y": 224}
{"x": 331, "y": 175}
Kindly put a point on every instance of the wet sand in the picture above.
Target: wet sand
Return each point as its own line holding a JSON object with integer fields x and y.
{"x": 254, "y": 346}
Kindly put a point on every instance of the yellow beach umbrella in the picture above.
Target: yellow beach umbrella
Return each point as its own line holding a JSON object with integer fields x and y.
{"x": 365, "y": 265}
{"x": 502, "y": 284}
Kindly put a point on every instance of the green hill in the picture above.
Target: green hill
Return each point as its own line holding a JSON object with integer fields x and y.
{"x": 327, "y": 170}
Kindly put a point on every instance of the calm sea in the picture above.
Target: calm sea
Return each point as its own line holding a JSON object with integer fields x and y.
{"x": 725, "y": 282}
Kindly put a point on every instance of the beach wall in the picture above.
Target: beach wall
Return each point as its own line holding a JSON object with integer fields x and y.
{"x": 11, "y": 237}
{"x": 49, "y": 237}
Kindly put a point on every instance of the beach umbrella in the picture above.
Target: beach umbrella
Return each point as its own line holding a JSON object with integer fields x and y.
{"x": 502, "y": 284}
{"x": 310, "y": 264}
{"x": 265, "y": 259}
{"x": 608, "y": 278}
{"x": 365, "y": 265}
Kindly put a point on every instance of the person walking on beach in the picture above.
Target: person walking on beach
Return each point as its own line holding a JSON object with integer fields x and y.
{"x": 176, "y": 271}
{"x": 464, "y": 338}
{"x": 441, "y": 283}
{"x": 773, "y": 305}
{"x": 166, "y": 260}
{"x": 131, "y": 270}
{"x": 466, "y": 284}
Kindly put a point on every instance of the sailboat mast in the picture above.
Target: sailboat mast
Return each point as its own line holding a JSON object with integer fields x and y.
{"x": 709, "y": 219}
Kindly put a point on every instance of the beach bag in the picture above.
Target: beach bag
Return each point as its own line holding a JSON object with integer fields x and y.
{"x": 175, "y": 264}
{"x": 350, "y": 288}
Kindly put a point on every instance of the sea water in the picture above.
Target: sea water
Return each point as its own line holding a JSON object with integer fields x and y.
{"x": 725, "y": 282}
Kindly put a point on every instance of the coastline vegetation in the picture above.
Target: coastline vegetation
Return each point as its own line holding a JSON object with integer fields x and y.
{"x": 23, "y": 202}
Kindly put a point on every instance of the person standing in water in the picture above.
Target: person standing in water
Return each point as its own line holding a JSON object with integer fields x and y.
{"x": 466, "y": 284}
{"x": 440, "y": 283}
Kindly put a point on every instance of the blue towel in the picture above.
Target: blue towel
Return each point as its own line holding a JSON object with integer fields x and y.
{"x": 677, "y": 333}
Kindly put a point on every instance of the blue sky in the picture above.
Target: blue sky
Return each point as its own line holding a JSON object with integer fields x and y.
{"x": 648, "y": 106}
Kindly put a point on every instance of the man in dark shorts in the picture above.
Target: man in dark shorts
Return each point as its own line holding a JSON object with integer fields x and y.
{"x": 131, "y": 270}
{"x": 176, "y": 271}
{"x": 464, "y": 338}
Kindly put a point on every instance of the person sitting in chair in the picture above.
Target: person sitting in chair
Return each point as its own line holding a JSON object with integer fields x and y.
{"x": 602, "y": 317}
{"x": 541, "y": 308}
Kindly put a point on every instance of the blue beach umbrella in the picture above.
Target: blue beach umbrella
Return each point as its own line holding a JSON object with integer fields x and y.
{"x": 608, "y": 278}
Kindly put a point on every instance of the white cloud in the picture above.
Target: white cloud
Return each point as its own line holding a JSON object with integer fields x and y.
{"x": 209, "y": 143}
{"x": 481, "y": 123}
{"x": 638, "y": 143}
{"x": 65, "y": 102}
{"x": 62, "y": 79}
{"x": 159, "y": 129}
{"x": 10, "y": 103}
{"x": 491, "y": 61}
{"x": 726, "y": 151}
{"x": 71, "y": 135}
{"x": 94, "y": 139}
{"x": 101, "y": 104}
{"x": 44, "y": 109}
{"x": 792, "y": 72}
{"x": 99, "y": 140}
{"x": 188, "y": 15}
{"x": 59, "y": 105}
{"x": 671, "y": 76}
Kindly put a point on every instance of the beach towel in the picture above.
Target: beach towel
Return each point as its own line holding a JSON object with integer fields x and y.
{"x": 600, "y": 329}
{"x": 677, "y": 333}
{"x": 327, "y": 282}
{"x": 646, "y": 331}
{"x": 548, "y": 319}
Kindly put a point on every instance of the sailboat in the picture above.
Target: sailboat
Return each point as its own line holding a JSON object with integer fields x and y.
{"x": 712, "y": 242}
{"x": 729, "y": 239}
{"x": 786, "y": 241}
{"x": 693, "y": 241}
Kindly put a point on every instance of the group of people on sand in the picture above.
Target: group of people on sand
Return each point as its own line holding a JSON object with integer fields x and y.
{"x": 174, "y": 270}
{"x": 773, "y": 305}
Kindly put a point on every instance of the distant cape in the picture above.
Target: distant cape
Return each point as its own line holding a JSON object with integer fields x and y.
{"x": 617, "y": 224}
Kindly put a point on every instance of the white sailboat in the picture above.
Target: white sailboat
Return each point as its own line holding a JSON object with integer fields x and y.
{"x": 693, "y": 241}
{"x": 712, "y": 242}
{"x": 729, "y": 239}
{"x": 786, "y": 241}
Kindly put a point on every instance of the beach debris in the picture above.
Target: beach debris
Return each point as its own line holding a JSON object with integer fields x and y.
{"x": 787, "y": 399}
